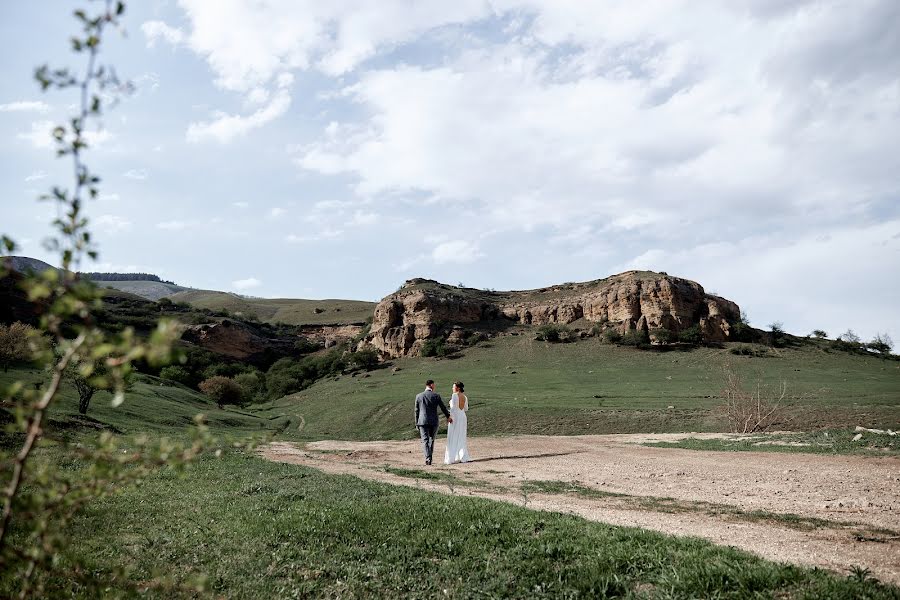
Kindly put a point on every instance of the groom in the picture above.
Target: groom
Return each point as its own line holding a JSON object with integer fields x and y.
{"x": 427, "y": 404}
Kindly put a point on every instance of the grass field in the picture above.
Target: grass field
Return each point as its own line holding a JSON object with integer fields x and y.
{"x": 241, "y": 527}
{"x": 281, "y": 310}
{"x": 817, "y": 442}
{"x": 519, "y": 385}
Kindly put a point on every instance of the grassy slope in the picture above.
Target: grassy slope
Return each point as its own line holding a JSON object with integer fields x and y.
{"x": 591, "y": 387}
{"x": 152, "y": 405}
{"x": 284, "y": 310}
{"x": 153, "y": 290}
{"x": 262, "y": 530}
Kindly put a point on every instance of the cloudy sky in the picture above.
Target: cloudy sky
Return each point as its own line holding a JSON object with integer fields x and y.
{"x": 335, "y": 149}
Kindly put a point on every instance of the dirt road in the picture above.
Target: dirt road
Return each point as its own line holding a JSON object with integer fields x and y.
{"x": 834, "y": 512}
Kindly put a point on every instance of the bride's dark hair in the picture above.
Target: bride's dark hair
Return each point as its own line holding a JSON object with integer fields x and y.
{"x": 459, "y": 385}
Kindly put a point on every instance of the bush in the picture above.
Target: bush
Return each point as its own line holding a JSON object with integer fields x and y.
{"x": 691, "y": 336}
{"x": 848, "y": 342}
{"x": 177, "y": 374}
{"x": 14, "y": 346}
{"x": 636, "y": 338}
{"x": 305, "y": 345}
{"x": 434, "y": 347}
{"x": 287, "y": 376}
{"x": 777, "y": 335}
{"x": 819, "y": 333}
{"x": 882, "y": 344}
{"x": 663, "y": 336}
{"x": 367, "y": 358}
{"x": 612, "y": 336}
{"x": 253, "y": 386}
{"x": 222, "y": 390}
{"x": 554, "y": 333}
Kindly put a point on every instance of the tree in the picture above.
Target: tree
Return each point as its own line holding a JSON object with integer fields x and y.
{"x": 692, "y": 336}
{"x": 65, "y": 304}
{"x": 778, "y": 337}
{"x": 177, "y": 373}
{"x": 222, "y": 390}
{"x": 14, "y": 343}
{"x": 663, "y": 336}
{"x": 820, "y": 334}
{"x": 253, "y": 386}
{"x": 882, "y": 344}
{"x": 367, "y": 358}
{"x": 86, "y": 379}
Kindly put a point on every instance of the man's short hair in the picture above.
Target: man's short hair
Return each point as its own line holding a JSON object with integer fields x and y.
{"x": 429, "y": 382}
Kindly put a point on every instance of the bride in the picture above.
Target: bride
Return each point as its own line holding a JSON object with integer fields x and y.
{"x": 457, "y": 451}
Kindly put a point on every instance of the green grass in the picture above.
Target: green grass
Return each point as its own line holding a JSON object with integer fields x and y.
{"x": 519, "y": 385}
{"x": 281, "y": 310}
{"x": 247, "y": 528}
{"x": 819, "y": 442}
{"x": 152, "y": 406}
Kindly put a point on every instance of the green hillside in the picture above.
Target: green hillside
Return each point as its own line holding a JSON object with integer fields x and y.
{"x": 519, "y": 385}
{"x": 281, "y": 310}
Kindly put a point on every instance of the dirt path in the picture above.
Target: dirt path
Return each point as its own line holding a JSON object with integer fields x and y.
{"x": 828, "y": 511}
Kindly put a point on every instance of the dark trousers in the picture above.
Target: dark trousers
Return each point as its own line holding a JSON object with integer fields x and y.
{"x": 428, "y": 432}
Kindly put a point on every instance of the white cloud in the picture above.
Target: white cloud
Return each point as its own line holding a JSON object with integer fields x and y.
{"x": 158, "y": 30}
{"x": 171, "y": 225}
{"x": 363, "y": 218}
{"x": 277, "y": 212}
{"x": 317, "y": 236}
{"x": 25, "y": 106}
{"x": 112, "y": 224}
{"x": 456, "y": 251}
{"x": 241, "y": 204}
{"x": 246, "y": 284}
{"x": 136, "y": 174}
{"x": 36, "y": 176}
{"x": 224, "y": 127}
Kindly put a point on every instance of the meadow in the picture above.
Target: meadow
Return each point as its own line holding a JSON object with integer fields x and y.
{"x": 518, "y": 385}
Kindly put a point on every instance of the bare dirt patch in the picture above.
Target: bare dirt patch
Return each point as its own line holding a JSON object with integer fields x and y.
{"x": 834, "y": 512}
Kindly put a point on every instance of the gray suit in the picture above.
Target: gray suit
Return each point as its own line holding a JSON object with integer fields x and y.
{"x": 427, "y": 404}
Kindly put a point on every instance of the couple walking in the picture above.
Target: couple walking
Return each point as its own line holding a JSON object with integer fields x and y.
{"x": 427, "y": 404}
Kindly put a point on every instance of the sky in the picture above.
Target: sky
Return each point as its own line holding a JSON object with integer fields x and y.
{"x": 289, "y": 148}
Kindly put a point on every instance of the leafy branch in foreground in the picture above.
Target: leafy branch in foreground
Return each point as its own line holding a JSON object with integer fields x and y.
{"x": 38, "y": 499}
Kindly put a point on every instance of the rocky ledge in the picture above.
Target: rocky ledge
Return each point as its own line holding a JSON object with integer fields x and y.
{"x": 423, "y": 309}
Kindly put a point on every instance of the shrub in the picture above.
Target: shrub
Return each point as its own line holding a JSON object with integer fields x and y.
{"x": 367, "y": 358}
{"x": 287, "y": 376}
{"x": 305, "y": 345}
{"x": 253, "y": 385}
{"x": 754, "y": 408}
{"x": 222, "y": 390}
{"x": 434, "y": 347}
{"x": 612, "y": 336}
{"x": 848, "y": 342}
{"x": 777, "y": 335}
{"x": 882, "y": 344}
{"x": 819, "y": 333}
{"x": 635, "y": 337}
{"x": 178, "y": 374}
{"x": 554, "y": 333}
{"x": 691, "y": 336}
{"x": 663, "y": 336}
{"x": 14, "y": 346}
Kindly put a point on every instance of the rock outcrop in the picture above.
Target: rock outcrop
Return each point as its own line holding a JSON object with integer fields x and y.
{"x": 235, "y": 339}
{"x": 636, "y": 300}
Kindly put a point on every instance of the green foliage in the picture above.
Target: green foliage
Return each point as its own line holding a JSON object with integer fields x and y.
{"x": 611, "y": 336}
{"x": 16, "y": 342}
{"x": 253, "y": 386}
{"x": 747, "y": 351}
{"x": 820, "y": 334}
{"x": 287, "y": 376}
{"x": 636, "y": 338}
{"x": 777, "y": 336}
{"x": 39, "y": 499}
{"x": 434, "y": 347}
{"x": 554, "y": 333}
{"x": 222, "y": 390}
{"x": 663, "y": 336}
{"x": 305, "y": 345}
{"x": 178, "y": 374}
{"x": 692, "y": 336}
{"x": 366, "y": 358}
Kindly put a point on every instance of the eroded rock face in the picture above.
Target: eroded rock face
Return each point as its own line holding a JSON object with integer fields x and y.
{"x": 641, "y": 300}
{"x": 235, "y": 340}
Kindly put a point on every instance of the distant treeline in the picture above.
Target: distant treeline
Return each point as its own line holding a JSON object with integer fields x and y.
{"x": 124, "y": 277}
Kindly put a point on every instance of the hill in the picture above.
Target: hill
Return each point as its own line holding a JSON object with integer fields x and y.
{"x": 281, "y": 310}
{"x": 520, "y": 385}
{"x": 24, "y": 264}
{"x": 149, "y": 289}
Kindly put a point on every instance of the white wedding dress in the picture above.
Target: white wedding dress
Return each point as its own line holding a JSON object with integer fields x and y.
{"x": 457, "y": 450}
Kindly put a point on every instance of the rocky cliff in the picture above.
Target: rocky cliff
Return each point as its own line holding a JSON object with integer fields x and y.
{"x": 636, "y": 300}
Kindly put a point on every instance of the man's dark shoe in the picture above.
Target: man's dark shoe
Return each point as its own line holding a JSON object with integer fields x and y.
{"x": 427, "y": 463}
